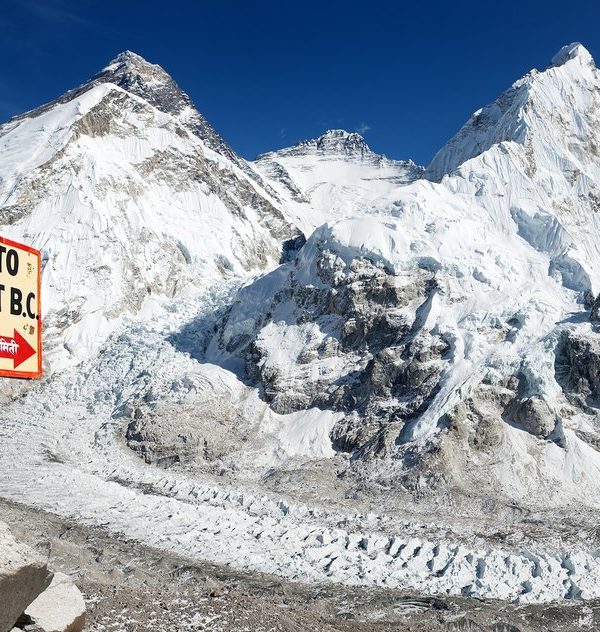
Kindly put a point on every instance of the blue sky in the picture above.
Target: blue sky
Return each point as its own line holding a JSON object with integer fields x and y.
{"x": 267, "y": 74}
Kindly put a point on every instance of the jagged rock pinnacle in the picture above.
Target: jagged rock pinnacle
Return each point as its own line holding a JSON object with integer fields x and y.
{"x": 339, "y": 140}
{"x": 334, "y": 141}
{"x": 149, "y": 81}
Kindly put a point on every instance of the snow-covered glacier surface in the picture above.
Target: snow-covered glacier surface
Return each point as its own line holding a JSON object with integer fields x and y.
{"x": 408, "y": 399}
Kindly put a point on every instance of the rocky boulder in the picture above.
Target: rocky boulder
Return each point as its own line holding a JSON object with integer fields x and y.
{"x": 534, "y": 415}
{"x": 60, "y": 608}
{"x": 23, "y": 575}
{"x": 577, "y": 367}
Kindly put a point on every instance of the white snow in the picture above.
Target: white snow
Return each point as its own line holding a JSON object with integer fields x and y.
{"x": 509, "y": 229}
{"x": 306, "y": 433}
{"x": 334, "y": 183}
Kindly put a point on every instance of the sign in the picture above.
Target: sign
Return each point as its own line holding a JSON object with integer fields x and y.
{"x": 20, "y": 313}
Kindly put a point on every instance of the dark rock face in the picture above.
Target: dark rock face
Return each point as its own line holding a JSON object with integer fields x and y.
{"x": 277, "y": 172}
{"x": 188, "y": 426}
{"x": 513, "y": 401}
{"x": 595, "y": 306}
{"x": 290, "y": 248}
{"x": 333, "y": 142}
{"x": 578, "y": 368}
{"x": 534, "y": 415}
{"x": 370, "y": 325}
{"x": 340, "y": 141}
{"x": 148, "y": 81}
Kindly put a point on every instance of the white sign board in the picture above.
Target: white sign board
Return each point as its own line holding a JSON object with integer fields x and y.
{"x": 20, "y": 310}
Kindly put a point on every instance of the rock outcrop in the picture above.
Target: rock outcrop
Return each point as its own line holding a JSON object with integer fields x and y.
{"x": 357, "y": 343}
{"x": 60, "y": 608}
{"x": 578, "y": 367}
{"x": 23, "y": 576}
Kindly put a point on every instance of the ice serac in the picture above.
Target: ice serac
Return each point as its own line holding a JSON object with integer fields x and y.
{"x": 130, "y": 194}
{"x": 334, "y": 177}
{"x": 451, "y": 329}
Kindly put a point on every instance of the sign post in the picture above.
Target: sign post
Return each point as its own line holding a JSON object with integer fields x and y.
{"x": 20, "y": 310}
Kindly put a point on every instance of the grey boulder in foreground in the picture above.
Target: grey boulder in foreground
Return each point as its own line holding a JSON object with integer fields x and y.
{"x": 60, "y": 608}
{"x": 23, "y": 575}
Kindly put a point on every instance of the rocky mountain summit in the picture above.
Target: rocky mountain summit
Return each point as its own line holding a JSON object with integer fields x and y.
{"x": 151, "y": 83}
{"x": 130, "y": 194}
{"x": 332, "y": 142}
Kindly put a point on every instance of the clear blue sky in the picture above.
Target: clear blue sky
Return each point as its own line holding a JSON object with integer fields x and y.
{"x": 267, "y": 74}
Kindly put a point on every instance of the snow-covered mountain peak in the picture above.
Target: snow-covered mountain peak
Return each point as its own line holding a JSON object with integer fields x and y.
{"x": 130, "y": 59}
{"x": 130, "y": 194}
{"x": 572, "y": 51}
{"x": 333, "y": 176}
{"x": 334, "y": 142}
{"x": 553, "y": 114}
{"x": 152, "y": 83}
{"x": 148, "y": 81}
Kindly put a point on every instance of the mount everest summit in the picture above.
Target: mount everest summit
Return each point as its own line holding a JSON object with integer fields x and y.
{"x": 128, "y": 191}
{"x": 323, "y": 339}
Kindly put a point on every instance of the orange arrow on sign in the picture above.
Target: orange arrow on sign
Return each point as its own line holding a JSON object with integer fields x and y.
{"x": 16, "y": 348}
